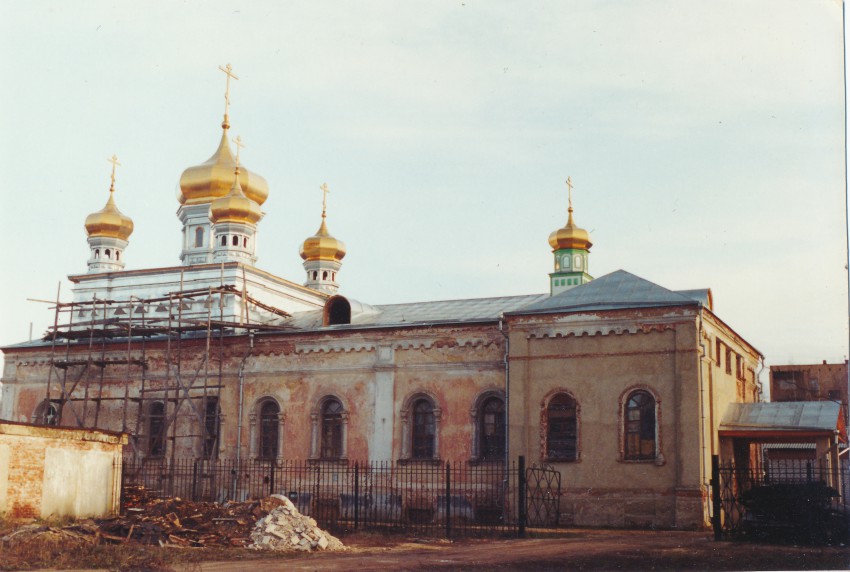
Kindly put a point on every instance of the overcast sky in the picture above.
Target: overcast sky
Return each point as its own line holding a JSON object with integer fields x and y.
{"x": 705, "y": 141}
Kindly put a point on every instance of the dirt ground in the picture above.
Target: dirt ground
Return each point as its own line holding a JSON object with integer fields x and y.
{"x": 562, "y": 550}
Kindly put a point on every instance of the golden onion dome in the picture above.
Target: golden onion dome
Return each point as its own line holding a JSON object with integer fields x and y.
{"x": 322, "y": 246}
{"x": 212, "y": 179}
{"x": 109, "y": 221}
{"x": 570, "y": 236}
{"x": 235, "y": 206}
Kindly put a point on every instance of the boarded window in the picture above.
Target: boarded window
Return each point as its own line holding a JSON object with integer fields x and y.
{"x": 269, "y": 429}
{"x": 212, "y": 425}
{"x": 561, "y": 437}
{"x": 156, "y": 429}
{"x": 492, "y": 430}
{"x": 331, "y": 430}
{"x": 423, "y": 429}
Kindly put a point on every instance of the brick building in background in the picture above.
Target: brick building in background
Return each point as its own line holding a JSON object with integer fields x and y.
{"x": 810, "y": 382}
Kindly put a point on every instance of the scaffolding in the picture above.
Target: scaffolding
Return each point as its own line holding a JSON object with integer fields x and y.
{"x": 83, "y": 342}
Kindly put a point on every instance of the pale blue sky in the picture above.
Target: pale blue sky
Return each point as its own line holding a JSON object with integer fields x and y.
{"x": 705, "y": 141}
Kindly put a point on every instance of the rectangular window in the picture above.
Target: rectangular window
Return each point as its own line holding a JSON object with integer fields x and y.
{"x": 717, "y": 348}
{"x": 728, "y": 361}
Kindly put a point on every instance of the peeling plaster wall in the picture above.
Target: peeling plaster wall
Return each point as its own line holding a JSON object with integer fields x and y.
{"x": 375, "y": 373}
{"x": 599, "y": 359}
{"x": 48, "y": 472}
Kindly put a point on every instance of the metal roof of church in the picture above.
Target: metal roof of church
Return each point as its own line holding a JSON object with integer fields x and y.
{"x": 788, "y": 415}
{"x": 469, "y": 310}
{"x": 617, "y": 290}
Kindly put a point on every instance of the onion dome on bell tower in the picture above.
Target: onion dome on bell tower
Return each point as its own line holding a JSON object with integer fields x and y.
{"x": 322, "y": 254}
{"x": 201, "y": 184}
{"x": 108, "y": 230}
{"x": 234, "y": 220}
{"x": 571, "y": 248}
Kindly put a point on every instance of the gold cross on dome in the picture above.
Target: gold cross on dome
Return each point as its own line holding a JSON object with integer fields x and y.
{"x": 325, "y": 191}
{"x": 115, "y": 163}
{"x": 570, "y": 191}
{"x": 228, "y": 71}
{"x": 239, "y": 145}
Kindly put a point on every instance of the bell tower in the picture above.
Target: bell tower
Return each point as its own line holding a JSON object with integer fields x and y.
{"x": 571, "y": 250}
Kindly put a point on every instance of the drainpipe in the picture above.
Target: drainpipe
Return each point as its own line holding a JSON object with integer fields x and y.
{"x": 507, "y": 397}
{"x": 702, "y": 390}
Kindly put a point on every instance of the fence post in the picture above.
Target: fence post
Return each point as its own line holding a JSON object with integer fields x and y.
{"x": 272, "y": 464}
{"x": 356, "y": 495}
{"x": 715, "y": 497}
{"x": 448, "y": 500}
{"x": 194, "y": 480}
{"x": 522, "y": 509}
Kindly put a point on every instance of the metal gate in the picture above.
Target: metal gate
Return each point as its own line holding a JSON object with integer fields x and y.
{"x": 791, "y": 500}
{"x": 543, "y": 495}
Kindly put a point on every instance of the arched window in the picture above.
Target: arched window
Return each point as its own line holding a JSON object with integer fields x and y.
{"x": 46, "y": 414}
{"x": 156, "y": 429}
{"x": 245, "y": 242}
{"x": 639, "y": 429}
{"x": 97, "y": 253}
{"x": 315, "y": 274}
{"x": 423, "y": 429}
{"x": 561, "y": 428}
{"x": 578, "y": 262}
{"x": 224, "y": 240}
{"x": 107, "y": 253}
{"x": 331, "y": 430}
{"x": 565, "y": 262}
{"x": 269, "y": 429}
{"x": 199, "y": 236}
{"x": 212, "y": 426}
{"x": 235, "y": 241}
{"x": 324, "y": 275}
{"x": 117, "y": 255}
{"x": 491, "y": 432}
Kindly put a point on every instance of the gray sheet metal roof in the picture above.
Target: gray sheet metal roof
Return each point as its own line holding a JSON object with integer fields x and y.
{"x": 616, "y": 290}
{"x": 788, "y": 415}
{"x": 446, "y": 311}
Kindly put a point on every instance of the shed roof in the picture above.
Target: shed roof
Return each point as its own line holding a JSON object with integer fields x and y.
{"x": 789, "y": 416}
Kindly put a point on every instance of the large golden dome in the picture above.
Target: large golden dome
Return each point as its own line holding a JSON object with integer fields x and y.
{"x": 212, "y": 179}
{"x": 322, "y": 246}
{"x": 235, "y": 206}
{"x": 570, "y": 236}
{"x": 109, "y": 221}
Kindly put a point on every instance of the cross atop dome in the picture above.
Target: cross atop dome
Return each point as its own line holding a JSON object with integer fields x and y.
{"x": 228, "y": 71}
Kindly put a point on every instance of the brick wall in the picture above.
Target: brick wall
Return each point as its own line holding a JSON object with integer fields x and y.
{"x": 51, "y": 471}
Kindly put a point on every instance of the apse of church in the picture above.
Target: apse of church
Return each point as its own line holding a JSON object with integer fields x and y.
{"x": 616, "y": 381}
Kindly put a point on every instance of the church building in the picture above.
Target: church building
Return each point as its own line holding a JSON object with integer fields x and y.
{"x": 618, "y": 383}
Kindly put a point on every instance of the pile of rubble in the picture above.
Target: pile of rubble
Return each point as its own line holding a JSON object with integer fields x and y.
{"x": 284, "y": 528}
{"x": 270, "y": 523}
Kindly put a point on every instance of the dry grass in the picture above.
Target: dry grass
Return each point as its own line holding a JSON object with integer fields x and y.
{"x": 44, "y": 545}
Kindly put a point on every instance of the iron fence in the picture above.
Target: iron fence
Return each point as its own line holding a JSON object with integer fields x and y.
{"x": 431, "y": 498}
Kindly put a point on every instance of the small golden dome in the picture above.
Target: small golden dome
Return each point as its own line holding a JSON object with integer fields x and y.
{"x": 212, "y": 179}
{"x": 109, "y": 221}
{"x": 322, "y": 246}
{"x": 235, "y": 206}
{"x": 570, "y": 236}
